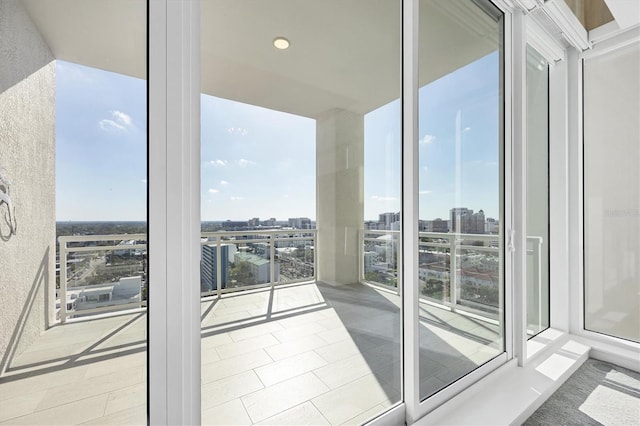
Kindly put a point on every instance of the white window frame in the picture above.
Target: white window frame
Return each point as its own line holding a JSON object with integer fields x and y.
{"x": 608, "y": 348}
{"x": 416, "y": 409}
{"x": 174, "y": 212}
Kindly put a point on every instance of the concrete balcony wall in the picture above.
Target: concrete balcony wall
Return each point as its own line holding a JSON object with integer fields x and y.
{"x": 27, "y": 153}
{"x": 340, "y": 193}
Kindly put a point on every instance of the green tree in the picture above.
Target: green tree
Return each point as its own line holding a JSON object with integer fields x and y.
{"x": 240, "y": 272}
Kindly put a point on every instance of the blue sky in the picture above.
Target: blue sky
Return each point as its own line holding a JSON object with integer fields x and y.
{"x": 101, "y": 145}
{"x": 259, "y": 162}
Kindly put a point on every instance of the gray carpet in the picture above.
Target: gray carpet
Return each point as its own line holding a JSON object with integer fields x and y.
{"x": 598, "y": 393}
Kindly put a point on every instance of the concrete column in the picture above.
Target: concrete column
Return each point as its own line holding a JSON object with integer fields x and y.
{"x": 340, "y": 192}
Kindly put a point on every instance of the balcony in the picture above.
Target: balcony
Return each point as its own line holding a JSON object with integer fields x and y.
{"x": 274, "y": 350}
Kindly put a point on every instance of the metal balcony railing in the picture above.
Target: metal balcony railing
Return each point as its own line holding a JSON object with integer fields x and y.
{"x": 107, "y": 273}
{"x": 455, "y": 253}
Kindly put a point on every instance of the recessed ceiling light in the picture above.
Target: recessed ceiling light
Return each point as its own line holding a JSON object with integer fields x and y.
{"x": 281, "y": 43}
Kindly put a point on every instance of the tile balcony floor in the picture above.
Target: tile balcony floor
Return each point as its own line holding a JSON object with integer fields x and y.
{"x": 294, "y": 354}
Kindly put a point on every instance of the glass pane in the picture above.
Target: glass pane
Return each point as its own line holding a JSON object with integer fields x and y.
{"x": 73, "y": 185}
{"x": 612, "y": 193}
{"x": 537, "y": 192}
{"x": 300, "y": 152}
{"x": 460, "y": 158}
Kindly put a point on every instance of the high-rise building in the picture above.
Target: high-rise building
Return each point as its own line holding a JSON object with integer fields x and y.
{"x": 300, "y": 222}
{"x": 386, "y": 219}
{"x": 209, "y": 267}
{"x": 465, "y": 221}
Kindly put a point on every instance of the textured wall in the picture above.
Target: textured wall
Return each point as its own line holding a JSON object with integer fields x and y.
{"x": 27, "y": 152}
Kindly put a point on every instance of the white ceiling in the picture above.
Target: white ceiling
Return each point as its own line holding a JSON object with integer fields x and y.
{"x": 343, "y": 54}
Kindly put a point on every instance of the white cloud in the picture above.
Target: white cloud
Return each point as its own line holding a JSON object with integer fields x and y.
{"x": 224, "y": 182}
{"x": 425, "y": 192}
{"x": 218, "y": 163}
{"x": 143, "y": 180}
{"x": 427, "y": 139}
{"x": 121, "y": 117}
{"x": 237, "y": 198}
{"x": 213, "y": 191}
{"x": 243, "y": 162}
{"x": 238, "y": 131}
{"x": 466, "y": 129}
{"x": 111, "y": 126}
{"x": 119, "y": 122}
{"x": 379, "y": 198}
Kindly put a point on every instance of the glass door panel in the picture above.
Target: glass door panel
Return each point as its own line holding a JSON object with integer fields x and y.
{"x": 73, "y": 191}
{"x": 460, "y": 277}
{"x": 612, "y": 193}
{"x": 301, "y": 312}
{"x": 537, "y": 192}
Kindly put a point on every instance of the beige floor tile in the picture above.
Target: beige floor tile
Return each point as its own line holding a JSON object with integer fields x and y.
{"x": 255, "y": 331}
{"x": 288, "y": 349}
{"x": 344, "y": 371}
{"x": 214, "y": 340}
{"x": 131, "y": 416}
{"x": 65, "y": 394}
{"x": 209, "y": 355}
{"x": 289, "y": 367}
{"x": 117, "y": 363}
{"x": 126, "y": 398}
{"x": 13, "y": 388}
{"x": 223, "y": 320}
{"x": 20, "y": 405}
{"x": 303, "y": 414}
{"x": 295, "y": 333}
{"x": 275, "y": 399}
{"x": 301, "y": 319}
{"x": 224, "y": 390}
{"x": 230, "y": 413}
{"x": 76, "y": 412}
{"x": 339, "y": 350}
{"x": 350, "y": 400}
{"x": 232, "y": 366}
{"x": 336, "y": 334}
{"x": 366, "y": 416}
{"x": 246, "y": 346}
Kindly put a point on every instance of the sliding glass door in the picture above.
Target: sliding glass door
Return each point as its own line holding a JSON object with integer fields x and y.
{"x": 460, "y": 280}
{"x": 300, "y": 211}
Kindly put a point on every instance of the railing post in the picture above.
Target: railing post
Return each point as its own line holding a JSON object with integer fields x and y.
{"x": 361, "y": 256}
{"x": 218, "y": 265}
{"x": 315, "y": 255}
{"x": 63, "y": 279}
{"x": 272, "y": 261}
{"x": 453, "y": 270}
{"x": 538, "y": 276}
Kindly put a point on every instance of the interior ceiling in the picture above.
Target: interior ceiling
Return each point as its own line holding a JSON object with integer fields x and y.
{"x": 344, "y": 53}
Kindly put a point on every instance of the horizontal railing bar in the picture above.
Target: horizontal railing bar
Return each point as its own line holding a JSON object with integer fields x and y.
{"x": 104, "y": 248}
{"x": 106, "y": 308}
{"x": 258, "y": 232}
{"x": 111, "y": 237}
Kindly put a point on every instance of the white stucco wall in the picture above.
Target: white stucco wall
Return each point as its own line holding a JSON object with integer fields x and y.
{"x": 27, "y": 152}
